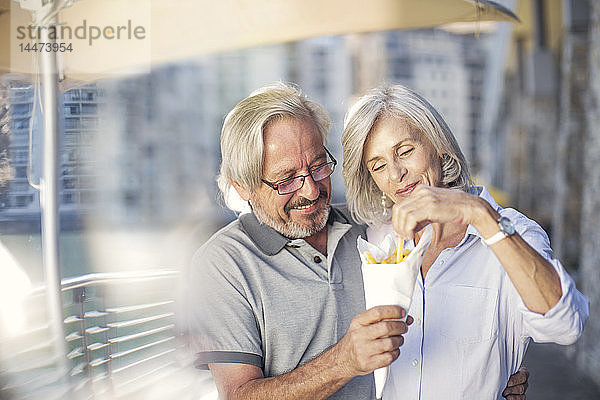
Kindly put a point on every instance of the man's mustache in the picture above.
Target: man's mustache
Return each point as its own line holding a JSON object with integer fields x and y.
{"x": 302, "y": 201}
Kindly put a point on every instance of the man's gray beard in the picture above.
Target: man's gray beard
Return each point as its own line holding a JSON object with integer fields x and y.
{"x": 291, "y": 229}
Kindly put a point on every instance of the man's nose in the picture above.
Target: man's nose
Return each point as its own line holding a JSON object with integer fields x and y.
{"x": 310, "y": 189}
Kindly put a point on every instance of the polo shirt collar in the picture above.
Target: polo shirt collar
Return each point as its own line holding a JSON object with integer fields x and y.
{"x": 267, "y": 239}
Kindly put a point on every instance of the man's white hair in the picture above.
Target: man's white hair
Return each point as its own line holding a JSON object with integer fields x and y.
{"x": 242, "y": 134}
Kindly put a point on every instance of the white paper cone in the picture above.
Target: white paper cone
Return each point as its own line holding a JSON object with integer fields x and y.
{"x": 380, "y": 375}
{"x": 390, "y": 283}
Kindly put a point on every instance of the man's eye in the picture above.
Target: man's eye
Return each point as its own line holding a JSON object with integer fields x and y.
{"x": 318, "y": 167}
{"x": 285, "y": 181}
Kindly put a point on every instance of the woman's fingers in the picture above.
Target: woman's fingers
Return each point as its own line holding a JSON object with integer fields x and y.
{"x": 428, "y": 205}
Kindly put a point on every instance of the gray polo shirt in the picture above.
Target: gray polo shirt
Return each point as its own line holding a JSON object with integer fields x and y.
{"x": 260, "y": 298}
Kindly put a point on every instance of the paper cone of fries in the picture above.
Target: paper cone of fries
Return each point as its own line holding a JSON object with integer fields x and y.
{"x": 390, "y": 283}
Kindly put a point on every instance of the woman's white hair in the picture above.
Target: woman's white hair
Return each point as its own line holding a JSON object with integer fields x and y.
{"x": 362, "y": 194}
{"x": 242, "y": 134}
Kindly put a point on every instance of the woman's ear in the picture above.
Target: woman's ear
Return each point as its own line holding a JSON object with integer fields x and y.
{"x": 241, "y": 190}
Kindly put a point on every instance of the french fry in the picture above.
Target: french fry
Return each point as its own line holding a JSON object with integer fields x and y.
{"x": 395, "y": 258}
{"x": 369, "y": 257}
{"x": 391, "y": 259}
{"x": 399, "y": 250}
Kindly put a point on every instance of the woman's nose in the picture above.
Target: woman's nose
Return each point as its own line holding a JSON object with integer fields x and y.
{"x": 397, "y": 171}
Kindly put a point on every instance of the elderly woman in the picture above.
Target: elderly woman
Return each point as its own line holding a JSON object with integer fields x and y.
{"x": 489, "y": 282}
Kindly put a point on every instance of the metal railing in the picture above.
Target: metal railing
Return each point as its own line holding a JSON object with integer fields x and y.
{"x": 121, "y": 335}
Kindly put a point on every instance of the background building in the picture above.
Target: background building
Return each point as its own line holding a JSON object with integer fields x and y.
{"x": 540, "y": 143}
{"x": 17, "y": 101}
{"x": 144, "y": 150}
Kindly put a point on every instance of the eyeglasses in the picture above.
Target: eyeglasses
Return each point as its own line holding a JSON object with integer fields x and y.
{"x": 317, "y": 173}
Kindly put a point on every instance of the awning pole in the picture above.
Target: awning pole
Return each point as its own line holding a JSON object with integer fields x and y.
{"x": 49, "y": 201}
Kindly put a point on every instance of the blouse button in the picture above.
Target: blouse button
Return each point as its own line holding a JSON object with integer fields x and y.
{"x": 415, "y": 362}
{"x": 317, "y": 259}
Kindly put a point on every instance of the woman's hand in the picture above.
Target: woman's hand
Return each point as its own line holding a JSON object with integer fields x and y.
{"x": 534, "y": 278}
{"x": 428, "y": 204}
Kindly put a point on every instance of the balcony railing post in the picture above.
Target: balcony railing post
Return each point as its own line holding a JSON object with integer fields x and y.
{"x": 100, "y": 295}
{"x": 79, "y": 298}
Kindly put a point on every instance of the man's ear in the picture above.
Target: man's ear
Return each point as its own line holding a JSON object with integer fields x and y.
{"x": 242, "y": 191}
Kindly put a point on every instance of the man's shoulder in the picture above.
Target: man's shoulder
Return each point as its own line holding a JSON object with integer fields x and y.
{"x": 231, "y": 230}
{"x": 230, "y": 238}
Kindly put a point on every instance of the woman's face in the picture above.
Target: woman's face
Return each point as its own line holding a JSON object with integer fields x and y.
{"x": 399, "y": 157}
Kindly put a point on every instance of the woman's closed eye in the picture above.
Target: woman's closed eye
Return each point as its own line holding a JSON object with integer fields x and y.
{"x": 403, "y": 152}
{"x": 377, "y": 167}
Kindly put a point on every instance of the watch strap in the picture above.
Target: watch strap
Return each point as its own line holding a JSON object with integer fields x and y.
{"x": 495, "y": 238}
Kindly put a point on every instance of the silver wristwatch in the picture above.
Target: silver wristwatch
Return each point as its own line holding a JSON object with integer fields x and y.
{"x": 506, "y": 229}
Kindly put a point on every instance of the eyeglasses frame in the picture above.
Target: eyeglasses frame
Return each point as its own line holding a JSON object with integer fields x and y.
{"x": 275, "y": 186}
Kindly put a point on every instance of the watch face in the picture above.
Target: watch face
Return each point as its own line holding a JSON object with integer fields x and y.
{"x": 506, "y": 226}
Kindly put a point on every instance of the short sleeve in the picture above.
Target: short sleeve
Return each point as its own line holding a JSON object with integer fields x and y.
{"x": 221, "y": 321}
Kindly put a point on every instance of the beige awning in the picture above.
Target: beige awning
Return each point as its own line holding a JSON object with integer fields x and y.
{"x": 157, "y": 31}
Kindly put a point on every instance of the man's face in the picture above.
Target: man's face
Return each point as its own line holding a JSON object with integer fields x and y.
{"x": 292, "y": 147}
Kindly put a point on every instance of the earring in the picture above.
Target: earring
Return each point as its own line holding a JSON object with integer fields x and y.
{"x": 386, "y": 210}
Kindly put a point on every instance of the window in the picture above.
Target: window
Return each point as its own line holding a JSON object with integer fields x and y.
{"x": 72, "y": 95}
{"x": 89, "y": 123}
{"x": 71, "y": 123}
{"x": 86, "y": 197}
{"x": 68, "y": 171}
{"x": 321, "y": 83}
{"x": 87, "y": 182}
{"x": 130, "y": 198}
{"x": 23, "y": 201}
{"x": 67, "y": 197}
{"x": 20, "y": 156}
{"x": 21, "y": 124}
{"x": 20, "y": 109}
{"x": 21, "y": 172}
{"x": 400, "y": 68}
{"x": 87, "y": 109}
{"x": 69, "y": 183}
{"x": 19, "y": 187}
{"x": 72, "y": 109}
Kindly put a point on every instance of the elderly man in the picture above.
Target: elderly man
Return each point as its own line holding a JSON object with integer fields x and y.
{"x": 276, "y": 297}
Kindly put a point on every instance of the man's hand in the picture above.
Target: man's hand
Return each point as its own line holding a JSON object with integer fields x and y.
{"x": 517, "y": 385}
{"x": 373, "y": 340}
